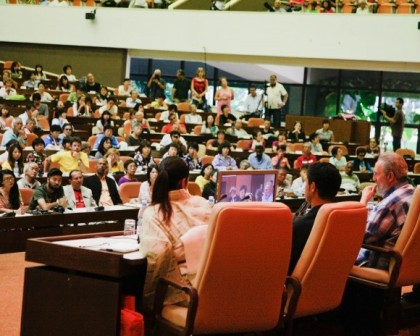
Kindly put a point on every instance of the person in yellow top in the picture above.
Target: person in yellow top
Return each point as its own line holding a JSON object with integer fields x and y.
{"x": 113, "y": 158}
{"x": 70, "y": 160}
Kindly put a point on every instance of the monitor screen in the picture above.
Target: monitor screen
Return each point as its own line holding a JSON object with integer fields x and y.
{"x": 247, "y": 185}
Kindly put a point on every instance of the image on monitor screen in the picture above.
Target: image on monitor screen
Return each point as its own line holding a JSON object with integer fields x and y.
{"x": 247, "y": 185}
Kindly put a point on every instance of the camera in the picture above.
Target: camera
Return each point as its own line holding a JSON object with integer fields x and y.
{"x": 58, "y": 208}
{"x": 389, "y": 109}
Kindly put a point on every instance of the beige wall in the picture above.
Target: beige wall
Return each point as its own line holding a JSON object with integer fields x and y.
{"x": 108, "y": 65}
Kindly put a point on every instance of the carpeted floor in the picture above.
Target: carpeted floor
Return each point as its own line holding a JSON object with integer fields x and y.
{"x": 12, "y": 267}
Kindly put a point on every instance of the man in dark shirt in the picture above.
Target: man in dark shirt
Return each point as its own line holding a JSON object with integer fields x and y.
{"x": 396, "y": 123}
{"x": 91, "y": 85}
{"x": 157, "y": 85}
{"x": 49, "y": 194}
{"x": 181, "y": 87}
{"x": 226, "y": 117}
{"x": 322, "y": 185}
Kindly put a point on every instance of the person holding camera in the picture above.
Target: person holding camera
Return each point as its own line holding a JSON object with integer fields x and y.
{"x": 156, "y": 85}
{"x": 396, "y": 122}
{"x": 49, "y": 195}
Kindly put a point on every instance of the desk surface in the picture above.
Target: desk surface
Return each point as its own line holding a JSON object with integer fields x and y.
{"x": 16, "y": 230}
{"x": 49, "y": 251}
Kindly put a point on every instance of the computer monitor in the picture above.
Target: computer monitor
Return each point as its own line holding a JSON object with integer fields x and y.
{"x": 247, "y": 185}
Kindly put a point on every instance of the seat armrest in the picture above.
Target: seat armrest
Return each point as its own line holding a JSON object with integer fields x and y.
{"x": 294, "y": 288}
{"x": 161, "y": 289}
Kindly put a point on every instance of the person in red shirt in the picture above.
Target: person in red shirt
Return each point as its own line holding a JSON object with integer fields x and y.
{"x": 306, "y": 159}
{"x": 174, "y": 125}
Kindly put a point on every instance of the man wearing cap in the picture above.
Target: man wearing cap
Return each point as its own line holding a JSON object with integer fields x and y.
{"x": 70, "y": 160}
{"x": 49, "y": 194}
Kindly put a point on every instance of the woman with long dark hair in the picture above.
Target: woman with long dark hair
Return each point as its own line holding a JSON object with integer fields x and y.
{"x": 105, "y": 120}
{"x": 10, "y": 200}
{"x": 143, "y": 156}
{"x": 146, "y": 187}
{"x": 15, "y": 156}
{"x": 103, "y": 147}
{"x": 172, "y": 213}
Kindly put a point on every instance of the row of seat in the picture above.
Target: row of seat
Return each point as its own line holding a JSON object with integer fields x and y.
{"x": 241, "y": 291}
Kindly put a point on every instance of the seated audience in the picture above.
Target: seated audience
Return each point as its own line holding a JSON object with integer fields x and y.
{"x": 338, "y": 159}
{"x": 139, "y": 119}
{"x": 267, "y": 131}
{"x": 323, "y": 182}
{"x": 39, "y": 72}
{"x": 64, "y": 84}
{"x": 7, "y": 90}
{"x": 45, "y": 96}
{"x": 173, "y": 136}
{"x": 373, "y": 148}
{"x": 325, "y": 133}
{"x": 299, "y": 184}
{"x": 281, "y": 140}
{"x": 125, "y": 88}
{"x": 146, "y": 187}
{"x": 362, "y": 7}
{"x": 42, "y": 108}
{"x": 91, "y": 86}
{"x": 14, "y": 159}
{"x": 172, "y": 110}
{"x": 104, "y": 120}
{"x": 204, "y": 176}
{"x": 349, "y": 181}
{"x": 258, "y": 140}
{"x": 133, "y": 100}
{"x": 103, "y": 147}
{"x": 223, "y": 161}
{"x": 31, "y": 83}
{"x": 50, "y": 194}
{"x": 210, "y": 189}
{"x": 130, "y": 171}
{"x": 30, "y": 127}
{"x": 260, "y": 160}
{"x": 28, "y": 180}
{"x": 307, "y": 158}
{"x": 10, "y": 200}
{"x": 174, "y": 125}
{"x": 61, "y": 119}
{"x": 4, "y": 156}
{"x": 245, "y": 165}
{"x": 70, "y": 160}
{"x": 193, "y": 117}
{"x": 173, "y": 149}
{"x": 214, "y": 145}
{"x": 209, "y": 126}
{"x": 159, "y": 103}
{"x": 226, "y": 117}
{"x": 134, "y": 139}
{"x": 115, "y": 165}
{"x": 53, "y": 139}
{"x": 103, "y": 96}
{"x": 284, "y": 184}
{"x": 280, "y": 160}
{"x": 108, "y": 132}
{"x": 316, "y": 146}
{"x": 5, "y": 117}
{"x": 104, "y": 188}
{"x": 239, "y": 131}
{"x": 143, "y": 156}
{"x": 192, "y": 159}
{"x": 27, "y": 114}
{"x": 68, "y": 71}
{"x": 296, "y": 135}
{"x": 76, "y": 194}
{"x": 83, "y": 107}
{"x": 111, "y": 107}
{"x": 359, "y": 163}
{"x": 387, "y": 218}
{"x": 67, "y": 131}
{"x": 172, "y": 213}
{"x": 16, "y": 132}
{"x": 37, "y": 156}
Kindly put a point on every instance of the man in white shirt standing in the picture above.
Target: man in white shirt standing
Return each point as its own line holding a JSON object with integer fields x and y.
{"x": 253, "y": 103}
{"x": 276, "y": 100}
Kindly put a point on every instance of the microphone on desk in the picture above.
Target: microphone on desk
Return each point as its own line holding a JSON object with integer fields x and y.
{"x": 222, "y": 198}
{"x": 247, "y": 197}
{"x": 267, "y": 5}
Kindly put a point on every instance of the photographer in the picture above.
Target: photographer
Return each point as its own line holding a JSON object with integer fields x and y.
{"x": 156, "y": 85}
{"x": 396, "y": 121}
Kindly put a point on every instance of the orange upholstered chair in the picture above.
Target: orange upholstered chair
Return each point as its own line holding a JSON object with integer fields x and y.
{"x": 343, "y": 148}
{"x": 207, "y": 159}
{"x": 244, "y": 144}
{"x": 255, "y": 122}
{"x": 319, "y": 278}
{"x": 44, "y": 124}
{"x": 185, "y": 106}
{"x": 406, "y": 152}
{"x": 193, "y": 188}
{"x": 26, "y": 194}
{"x": 416, "y": 169}
{"x": 129, "y": 191}
{"x": 197, "y": 130}
{"x": 296, "y": 147}
{"x": 29, "y": 138}
{"x": 404, "y": 266}
{"x": 239, "y": 283}
{"x": 91, "y": 140}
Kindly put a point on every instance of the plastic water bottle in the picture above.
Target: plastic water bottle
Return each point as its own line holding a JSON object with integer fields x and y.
{"x": 16, "y": 169}
{"x": 211, "y": 201}
{"x": 143, "y": 206}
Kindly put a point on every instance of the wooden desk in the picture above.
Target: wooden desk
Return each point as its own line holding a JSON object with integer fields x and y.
{"x": 79, "y": 291}
{"x": 14, "y": 231}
